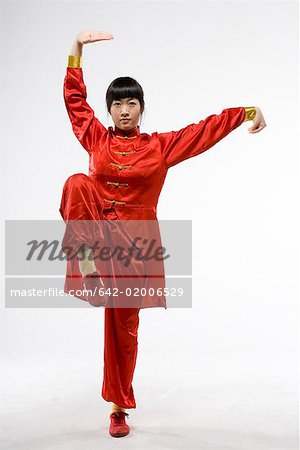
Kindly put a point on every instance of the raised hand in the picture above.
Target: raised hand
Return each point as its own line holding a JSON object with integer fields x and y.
{"x": 87, "y": 37}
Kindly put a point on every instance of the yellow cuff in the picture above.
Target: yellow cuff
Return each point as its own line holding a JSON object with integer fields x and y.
{"x": 250, "y": 112}
{"x": 74, "y": 61}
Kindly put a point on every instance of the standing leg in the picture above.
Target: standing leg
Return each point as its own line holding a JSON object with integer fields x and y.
{"x": 120, "y": 353}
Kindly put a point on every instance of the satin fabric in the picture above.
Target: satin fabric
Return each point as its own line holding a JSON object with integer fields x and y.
{"x": 87, "y": 223}
{"x": 120, "y": 355}
{"x": 130, "y": 168}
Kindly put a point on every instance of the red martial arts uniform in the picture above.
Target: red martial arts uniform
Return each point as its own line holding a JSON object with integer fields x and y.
{"x": 126, "y": 174}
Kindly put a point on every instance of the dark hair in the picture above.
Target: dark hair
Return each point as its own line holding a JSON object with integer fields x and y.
{"x": 124, "y": 87}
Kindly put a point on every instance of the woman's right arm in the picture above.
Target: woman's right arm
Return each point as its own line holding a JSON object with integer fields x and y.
{"x": 86, "y": 126}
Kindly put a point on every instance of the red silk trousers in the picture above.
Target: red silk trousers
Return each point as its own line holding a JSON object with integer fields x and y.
{"x": 81, "y": 201}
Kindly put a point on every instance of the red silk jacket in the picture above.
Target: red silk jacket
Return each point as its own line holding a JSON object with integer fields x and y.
{"x": 130, "y": 170}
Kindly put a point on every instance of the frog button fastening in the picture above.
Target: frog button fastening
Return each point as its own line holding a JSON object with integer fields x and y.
{"x": 120, "y": 166}
{"x": 114, "y": 201}
{"x": 125, "y": 153}
{"x": 117, "y": 184}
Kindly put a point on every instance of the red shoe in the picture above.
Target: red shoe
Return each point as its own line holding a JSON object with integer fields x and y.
{"x": 92, "y": 283}
{"x": 118, "y": 426}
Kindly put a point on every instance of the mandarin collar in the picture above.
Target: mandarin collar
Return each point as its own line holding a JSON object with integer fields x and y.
{"x": 125, "y": 134}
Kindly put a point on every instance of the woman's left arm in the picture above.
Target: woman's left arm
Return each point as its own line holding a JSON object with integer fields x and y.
{"x": 177, "y": 146}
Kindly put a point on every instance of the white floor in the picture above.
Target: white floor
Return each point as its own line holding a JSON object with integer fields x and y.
{"x": 234, "y": 401}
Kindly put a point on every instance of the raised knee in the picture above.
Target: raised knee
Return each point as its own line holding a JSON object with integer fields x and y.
{"x": 77, "y": 178}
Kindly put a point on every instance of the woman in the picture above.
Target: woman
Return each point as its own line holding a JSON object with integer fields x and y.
{"x": 127, "y": 170}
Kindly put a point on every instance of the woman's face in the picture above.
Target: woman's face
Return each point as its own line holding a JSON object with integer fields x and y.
{"x": 125, "y": 108}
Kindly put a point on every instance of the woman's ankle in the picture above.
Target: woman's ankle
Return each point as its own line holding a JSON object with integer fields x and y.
{"x": 116, "y": 408}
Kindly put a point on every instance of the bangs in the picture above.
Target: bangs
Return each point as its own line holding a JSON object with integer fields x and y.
{"x": 118, "y": 92}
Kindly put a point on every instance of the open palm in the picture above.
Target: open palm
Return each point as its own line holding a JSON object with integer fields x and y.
{"x": 87, "y": 37}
